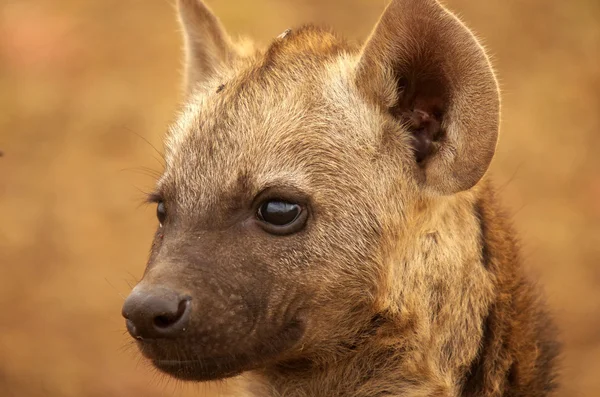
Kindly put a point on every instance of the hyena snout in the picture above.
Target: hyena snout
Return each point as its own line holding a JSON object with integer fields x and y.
{"x": 155, "y": 313}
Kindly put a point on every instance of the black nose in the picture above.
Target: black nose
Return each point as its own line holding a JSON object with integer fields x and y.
{"x": 157, "y": 313}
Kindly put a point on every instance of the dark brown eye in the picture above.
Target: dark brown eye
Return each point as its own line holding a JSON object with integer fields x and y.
{"x": 279, "y": 213}
{"x": 161, "y": 212}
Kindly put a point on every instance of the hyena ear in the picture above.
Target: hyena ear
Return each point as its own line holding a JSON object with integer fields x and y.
{"x": 429, "y": 72}
{"x": 208, "y": 48}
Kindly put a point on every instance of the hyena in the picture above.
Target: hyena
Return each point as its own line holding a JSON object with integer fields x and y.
{"x": 325, "y": 226}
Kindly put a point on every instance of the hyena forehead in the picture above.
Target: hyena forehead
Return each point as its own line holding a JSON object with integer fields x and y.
{"x": 275, "y": 108}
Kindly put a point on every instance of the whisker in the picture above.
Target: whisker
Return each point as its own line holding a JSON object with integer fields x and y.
{"x": 511, "y": 178}
{"x": 135, "y": 279}
{"x": 161, "y": 155}
{"x": 128, "y": 284}
{"x": 146, "y": 171}
{"x": 116, "y": 290}
{"x": 127, "y": 347}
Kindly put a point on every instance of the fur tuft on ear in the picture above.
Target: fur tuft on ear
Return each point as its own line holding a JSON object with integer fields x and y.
{"x": 207, "y": 45}
{"x": 427, "y": 69}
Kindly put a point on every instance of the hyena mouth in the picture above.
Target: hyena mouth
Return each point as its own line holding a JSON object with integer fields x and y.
{"x": 186, "y": 361}
{"x": 183, "y": 362}
{"x": 203, "y": 369}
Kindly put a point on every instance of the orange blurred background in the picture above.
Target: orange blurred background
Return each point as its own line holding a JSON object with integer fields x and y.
{"x": 86, "y": 89}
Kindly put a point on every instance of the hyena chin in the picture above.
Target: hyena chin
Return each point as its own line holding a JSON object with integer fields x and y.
{"x": 325, "y": 224}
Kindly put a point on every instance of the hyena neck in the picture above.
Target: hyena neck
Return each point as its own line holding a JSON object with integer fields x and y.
{"x": 519, "y": 349}
{"x": 475, "y": 328}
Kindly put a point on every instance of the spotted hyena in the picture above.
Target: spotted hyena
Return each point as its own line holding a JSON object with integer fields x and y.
{"x": 325, "y": 223}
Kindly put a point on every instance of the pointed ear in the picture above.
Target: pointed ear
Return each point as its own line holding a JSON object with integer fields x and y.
{"x": 425, "y": 68}
{"x": 207, "y": 46}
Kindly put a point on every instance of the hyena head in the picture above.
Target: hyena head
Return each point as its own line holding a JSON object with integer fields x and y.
{"x": 295, "y": 178}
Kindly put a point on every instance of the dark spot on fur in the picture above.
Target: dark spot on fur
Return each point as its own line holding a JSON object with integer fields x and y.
{"x": 433, "y": 236}
{"x": 220, "y": 88}
{"x": 475, "y": 376}
{"x": 512, "y": 375}
{"x": 483, "y": 235}
{"x": 299, "y": 365}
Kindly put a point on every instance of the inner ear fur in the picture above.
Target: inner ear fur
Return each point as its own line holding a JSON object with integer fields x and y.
{"x": 425, "y": 68}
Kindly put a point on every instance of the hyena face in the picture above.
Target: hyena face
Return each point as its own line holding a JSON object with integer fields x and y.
{"x": 290, "y": 175}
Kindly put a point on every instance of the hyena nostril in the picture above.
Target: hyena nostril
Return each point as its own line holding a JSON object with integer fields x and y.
{"x": 168, "y": 319}
{"x": 163, "y": 321}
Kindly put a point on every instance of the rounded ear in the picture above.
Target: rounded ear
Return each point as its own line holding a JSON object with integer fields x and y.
{"x": 207, "y": 45}
{"x": 428, "y": 70}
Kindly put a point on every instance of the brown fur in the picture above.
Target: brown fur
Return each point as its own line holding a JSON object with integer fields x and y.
{"x": 406, "y": 279}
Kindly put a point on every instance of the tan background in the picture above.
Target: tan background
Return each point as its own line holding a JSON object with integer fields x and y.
{"x": 84, "y": 85}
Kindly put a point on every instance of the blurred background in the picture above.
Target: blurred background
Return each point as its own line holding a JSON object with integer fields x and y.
{"x": 87, "y": 88}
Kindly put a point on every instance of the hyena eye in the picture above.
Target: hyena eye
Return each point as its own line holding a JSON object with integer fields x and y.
{"x": 278, "y": 213}
{"x": 281, "y": 217}
{"x": 161, "y": 212}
